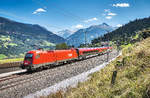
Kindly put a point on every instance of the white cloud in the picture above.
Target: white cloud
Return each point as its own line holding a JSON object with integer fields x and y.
{"x": 92, "y": 36}
{"x": 108, "y": 14}
{"x": 78, "y": 26}
{"x": 112, "y": 14}
{"x": 90, "y": 20}
{"x": 108, "y": 17}
{"x": 39, "y": 10}
{"x": 121, "y": 5}
{"x": 119, "y": 25}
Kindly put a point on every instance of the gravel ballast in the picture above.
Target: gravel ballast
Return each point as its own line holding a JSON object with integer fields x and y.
{"x": 52, "y": 76}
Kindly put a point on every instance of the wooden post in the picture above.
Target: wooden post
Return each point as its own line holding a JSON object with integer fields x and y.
{"x": 107, "y": 56}
{"x": 114, "y": 77}
{"x": 123, "y": 61}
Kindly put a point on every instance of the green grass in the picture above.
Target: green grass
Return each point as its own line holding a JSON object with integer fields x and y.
{"x": 133, "y": 77}
{"x": 11, "y": 60}
{"x": 126, "y": 46}
{"x": 136, "y": 36}
{"x": 5, "y": 38}
{"x": 12, "y": 44}
{"x": 6, "y": 44}
{"x": 46, "y": 43}
{"x": 2, "y": 56}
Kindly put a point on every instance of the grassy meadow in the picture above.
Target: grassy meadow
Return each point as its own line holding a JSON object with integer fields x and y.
{"x": 11, "y": 60}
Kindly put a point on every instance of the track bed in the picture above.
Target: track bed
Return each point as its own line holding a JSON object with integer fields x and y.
{"x": 32, "y": 82}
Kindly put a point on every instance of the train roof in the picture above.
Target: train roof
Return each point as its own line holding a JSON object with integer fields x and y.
{"x": 37, "y": 51}
{"x": 92, "y": 48}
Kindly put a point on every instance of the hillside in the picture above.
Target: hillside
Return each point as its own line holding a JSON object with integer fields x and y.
{"x": 133, "y": 71}
{"x": 65, "y": 33}
{"x": 17, "y": 38}
{"x": 91, "y": 33}
{"x": 125, "y": 33}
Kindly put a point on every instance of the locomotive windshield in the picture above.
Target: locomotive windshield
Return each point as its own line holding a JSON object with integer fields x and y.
{"x": 28, "y": 56}
{"x": 28, "y": 59}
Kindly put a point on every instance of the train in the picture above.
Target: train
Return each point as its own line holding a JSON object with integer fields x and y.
{"x": 40, "y": 58}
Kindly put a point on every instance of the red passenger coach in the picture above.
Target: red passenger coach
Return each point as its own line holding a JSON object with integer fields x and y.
{"x": 89, "y": 51}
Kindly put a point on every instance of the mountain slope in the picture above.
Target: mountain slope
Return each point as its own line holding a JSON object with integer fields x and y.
{"x": 64, "y": 33}
{"x": 92, "y": 32}
{"x": 17, "y": 38}
{"x": 125, "y": 33}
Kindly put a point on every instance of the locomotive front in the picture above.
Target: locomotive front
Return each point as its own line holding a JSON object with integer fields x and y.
{"x": 28, "y": 60}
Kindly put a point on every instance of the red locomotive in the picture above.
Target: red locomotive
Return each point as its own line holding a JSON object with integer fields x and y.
{"x": 39, "y": 58}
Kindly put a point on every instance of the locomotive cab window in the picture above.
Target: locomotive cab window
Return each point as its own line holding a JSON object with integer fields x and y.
{"x": 28, "y": 56}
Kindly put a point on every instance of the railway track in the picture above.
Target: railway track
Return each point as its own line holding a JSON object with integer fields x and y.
{"x": 31, "y": 82}
{"x": 16, "y": 80}
{"x": 8, "y": 78}
{"x": 6, "y": 83}
{"x": 22, "y": 81}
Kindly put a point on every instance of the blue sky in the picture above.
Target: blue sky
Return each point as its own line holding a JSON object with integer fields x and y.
{"x": 57, "y": 15}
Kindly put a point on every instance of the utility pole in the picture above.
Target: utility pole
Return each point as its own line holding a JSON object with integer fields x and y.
{"x": 108, "y": 49}
{"x": 118, "y": 48}
{"x": 85, "y": 39}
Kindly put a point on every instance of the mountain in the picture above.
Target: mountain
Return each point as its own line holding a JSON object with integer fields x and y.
{"x": 124, "y": 34}
{"x": 17, "y": 38}
{"x": 65, "y": 33}
{"x": 91, "y": 33}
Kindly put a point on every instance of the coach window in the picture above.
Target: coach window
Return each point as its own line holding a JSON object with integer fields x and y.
{"x": 37, "y": 56}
